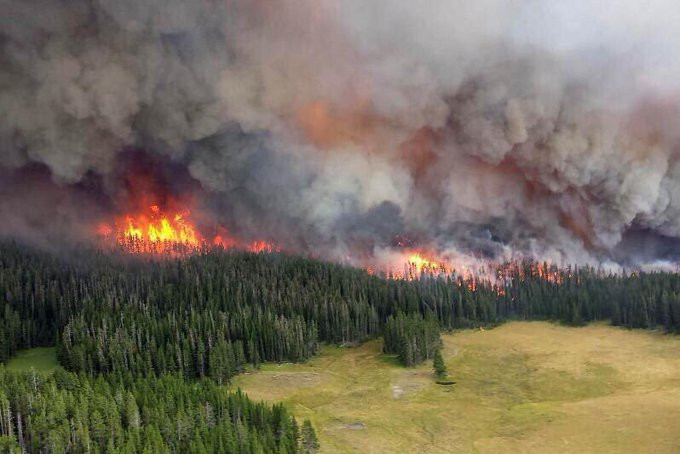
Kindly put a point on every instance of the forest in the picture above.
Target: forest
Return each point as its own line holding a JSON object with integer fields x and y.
{"x": 159, "y": 327}
{"x": 65, "y": 412}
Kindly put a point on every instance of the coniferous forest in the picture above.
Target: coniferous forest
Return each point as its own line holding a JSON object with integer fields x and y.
{"x": 146, "y": 343}
{"x": 65, "y": 412}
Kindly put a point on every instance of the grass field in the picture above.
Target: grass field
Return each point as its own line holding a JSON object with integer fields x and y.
{"x": 42, "y": 359}
{"x": 522, "y": 387}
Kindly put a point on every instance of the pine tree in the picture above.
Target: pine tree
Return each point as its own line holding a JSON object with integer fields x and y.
{"x": 131, "y": 412}
{"x": 438, "y": 365}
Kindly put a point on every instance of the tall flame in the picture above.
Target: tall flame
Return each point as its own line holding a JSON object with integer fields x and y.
{"x": 153, "y": 230}
{"x": 412, "y": 263}
{"x": 421, "y": 263}
{"x": 156, "y": 226}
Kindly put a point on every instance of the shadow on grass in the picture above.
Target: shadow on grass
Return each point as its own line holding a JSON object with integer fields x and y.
{"x": 391, "y": 360}
{"x": 42, "y": 359}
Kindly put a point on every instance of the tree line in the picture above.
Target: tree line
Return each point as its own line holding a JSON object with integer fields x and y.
{"x": 211, "y": 314}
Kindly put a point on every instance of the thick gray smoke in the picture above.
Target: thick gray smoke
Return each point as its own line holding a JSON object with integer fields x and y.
{"x": 494, "y": 128}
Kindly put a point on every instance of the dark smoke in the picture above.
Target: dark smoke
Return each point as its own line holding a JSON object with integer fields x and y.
{"x": 493, "y": 129}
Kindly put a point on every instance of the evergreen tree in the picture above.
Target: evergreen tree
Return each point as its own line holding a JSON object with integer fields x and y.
{"x": 438, "y": 365}
{"x": 77, "y": 413}
{"x": 213, "y": 313}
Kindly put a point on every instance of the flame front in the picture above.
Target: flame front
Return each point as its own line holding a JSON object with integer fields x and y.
{"x": 153, "y": 231}
{"x": 157, "y": 227}
{"x": 410, "y": 264}
{"x": 421, "y": 264}
{"x": 470, "y": 274}
{"x": 170, "y": 233}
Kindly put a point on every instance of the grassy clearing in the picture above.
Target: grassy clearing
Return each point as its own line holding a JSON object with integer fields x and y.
{"x": 522, "y": 387}
{"x": 42, "y": 359}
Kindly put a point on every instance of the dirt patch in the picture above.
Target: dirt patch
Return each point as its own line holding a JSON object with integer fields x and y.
{"x": 410, "y": 381}
{"x": 354, "y": 426}
{"x": 397, "y": 391}
{"x": 296, "y": 378}
{"x": 406, "y": 388}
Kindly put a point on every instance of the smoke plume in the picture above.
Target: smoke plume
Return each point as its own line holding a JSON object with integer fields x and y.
{"x": 344, "y": 128}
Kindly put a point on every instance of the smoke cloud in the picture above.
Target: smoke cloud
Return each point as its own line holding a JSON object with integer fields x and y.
{"x": 494, "y": 128}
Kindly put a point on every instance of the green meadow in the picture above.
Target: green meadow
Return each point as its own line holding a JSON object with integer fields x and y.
{"x": 521, "y": 387}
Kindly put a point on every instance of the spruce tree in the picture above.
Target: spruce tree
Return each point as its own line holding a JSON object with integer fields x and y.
{"x": 438, "y": 365}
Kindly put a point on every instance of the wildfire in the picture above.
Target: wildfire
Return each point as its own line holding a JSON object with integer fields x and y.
{"x": 157, "y": 231}
{"x": 157, "y": 227}
{"x": 469, "y": 273}
{"x": 170, "y": 231}
{"x": 419, "y": 263}
{"x": 548, "y": 273}
{"x": 262, "y": 246}
{"x": 414, "y": 264}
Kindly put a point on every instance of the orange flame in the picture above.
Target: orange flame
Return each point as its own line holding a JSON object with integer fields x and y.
{"x": 420, "y": 263}
{"x": 494, "y": 276}
{"x": 158, "y": 227}
{"x": 414, "y": 263}
{"x": 157, "y": 232}
{"x": 262, "y": 246}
